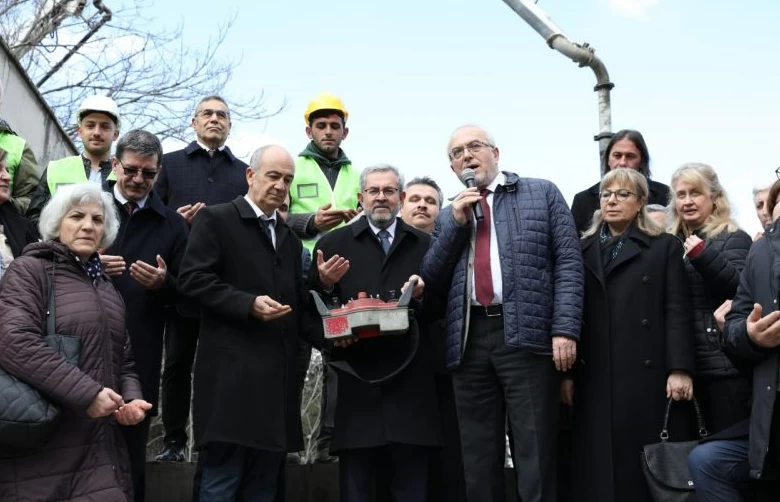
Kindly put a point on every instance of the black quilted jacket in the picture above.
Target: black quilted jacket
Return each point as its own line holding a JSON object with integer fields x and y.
{"x": 713, "y": 276}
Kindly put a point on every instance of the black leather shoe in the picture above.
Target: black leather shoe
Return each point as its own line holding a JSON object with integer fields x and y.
{"x": 173, "y": 452}
{"x": 323, "y": 457}
{"x": 294, "y": 458}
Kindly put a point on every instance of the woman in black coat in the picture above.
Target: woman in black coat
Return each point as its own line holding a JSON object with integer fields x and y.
{"x": 627, "y": 148}
{"x": 16, "y": 231}
{"x": 715, "y": 252}
{"x": 636, "y": 349}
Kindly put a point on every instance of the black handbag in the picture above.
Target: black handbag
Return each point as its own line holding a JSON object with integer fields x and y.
{"x": 665, "y": 464}
{"x": 27, "y": 418}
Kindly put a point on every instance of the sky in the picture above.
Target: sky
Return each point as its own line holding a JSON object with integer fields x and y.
{"x": 698, "y": 78}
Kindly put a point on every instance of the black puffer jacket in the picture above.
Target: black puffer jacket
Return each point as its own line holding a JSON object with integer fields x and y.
{"x": 713, "y": 276}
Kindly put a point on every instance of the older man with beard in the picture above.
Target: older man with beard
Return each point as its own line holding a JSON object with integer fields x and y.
{"x": 392, "y": 423}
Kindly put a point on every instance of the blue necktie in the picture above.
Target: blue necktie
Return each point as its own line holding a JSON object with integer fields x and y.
{"x": 384, "y": 239}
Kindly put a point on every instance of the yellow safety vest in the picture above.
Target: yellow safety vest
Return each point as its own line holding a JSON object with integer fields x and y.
{"x": 310, "y": 190}
{"x": 14, "y": 145}
{"x": 67, "y": 171}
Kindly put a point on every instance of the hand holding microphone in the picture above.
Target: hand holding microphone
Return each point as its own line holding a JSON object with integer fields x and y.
{"x": 467, "y": 201}
{"x": 468, "y": 177}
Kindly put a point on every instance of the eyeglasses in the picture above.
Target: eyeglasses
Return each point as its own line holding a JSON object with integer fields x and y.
{"x": 777, "y": 173}
{"x": 132, "y": 171}
{"x": 208, "y": 113}
{"x": 620, "y": 195}
{"x": 387, "y": 192}
{"x": 473, "y": 147}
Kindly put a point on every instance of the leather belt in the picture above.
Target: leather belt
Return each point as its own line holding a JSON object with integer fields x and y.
{"x": 496, "y": 310}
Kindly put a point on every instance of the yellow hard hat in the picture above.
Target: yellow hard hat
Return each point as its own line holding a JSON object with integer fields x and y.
{"x": 325, "y": 101}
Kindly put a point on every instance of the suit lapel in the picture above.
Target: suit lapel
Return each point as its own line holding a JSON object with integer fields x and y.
{"x": 246, "y": 212}
{"x": 632, "y": 246}
{"x": 592, "y": 256}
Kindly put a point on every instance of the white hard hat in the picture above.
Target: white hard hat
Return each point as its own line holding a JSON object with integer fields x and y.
{"x": 102, "y": 104}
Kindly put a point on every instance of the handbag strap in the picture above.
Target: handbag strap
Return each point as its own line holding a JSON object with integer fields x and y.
{"x": 699, "y": 421}
{"x": 50, "y": 308}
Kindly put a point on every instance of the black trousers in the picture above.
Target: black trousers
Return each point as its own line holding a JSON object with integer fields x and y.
{"x": 494, "y": 382}
{"x": 136, "y": 437}
{"x": 447, "y": 482}
{"x": 181, "y": 341}
{"x": 405, "y": 477}
{"x": 231, "y": 472}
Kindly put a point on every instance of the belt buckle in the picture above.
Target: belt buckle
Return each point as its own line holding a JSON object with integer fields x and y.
{"x": 493, "y": 311}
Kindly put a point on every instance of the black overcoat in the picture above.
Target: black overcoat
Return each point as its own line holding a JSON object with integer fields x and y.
{"x": 245, "y": 385}
{"x": 638, "y": 327}
{"x": 403, "y": 409}
{"x": 152, "y": 230}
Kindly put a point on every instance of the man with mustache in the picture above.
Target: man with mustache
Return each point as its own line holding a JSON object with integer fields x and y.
{"x": 323, "y": 196}
{"x": 203, "y": 173}
{"x": 388, "y": 426}
{"x": 420, "y": 204}
{"x": 514, "y": 283}
{"x": 144, "y": 264}
{"x": 99, "y": 123}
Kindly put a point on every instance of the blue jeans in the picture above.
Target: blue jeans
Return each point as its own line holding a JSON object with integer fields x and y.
{"x": 718, "y": 469}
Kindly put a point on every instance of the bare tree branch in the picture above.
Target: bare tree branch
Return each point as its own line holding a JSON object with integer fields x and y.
{"x": 154, "y": 76}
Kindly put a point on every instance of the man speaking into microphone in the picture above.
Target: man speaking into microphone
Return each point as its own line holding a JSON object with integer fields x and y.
{"x": 514, "y": 287}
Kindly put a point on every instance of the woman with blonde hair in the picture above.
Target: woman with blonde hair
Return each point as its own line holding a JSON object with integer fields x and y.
{"x": 715, "y": 253}
{"x": 636, "y": 349}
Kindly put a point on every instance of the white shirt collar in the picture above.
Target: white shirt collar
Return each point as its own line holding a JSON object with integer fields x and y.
{"x": 259, "y": 212}
{"x": 500, "y": 179}
{"x": 207, "y": 148}
{"x": 390, "y": 229}
{"x": 118, "y": 196}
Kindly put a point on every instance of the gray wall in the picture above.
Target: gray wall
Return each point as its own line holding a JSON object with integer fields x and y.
{"x": 29, "y": 115}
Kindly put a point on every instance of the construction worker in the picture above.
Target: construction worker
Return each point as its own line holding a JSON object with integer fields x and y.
{"x": 22, "y": 166}
{"x": 99, "y": 123}
{"x": 323, "y": 195}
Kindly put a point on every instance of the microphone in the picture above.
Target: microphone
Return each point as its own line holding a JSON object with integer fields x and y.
{"x": 467, "y": 177}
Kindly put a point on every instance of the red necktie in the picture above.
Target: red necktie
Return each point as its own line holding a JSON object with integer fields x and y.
{"x": 483, "y": 280}
{"x": 130, "y": 207}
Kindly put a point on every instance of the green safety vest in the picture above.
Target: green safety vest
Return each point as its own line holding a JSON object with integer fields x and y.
{"x": 67, "y": 171}
{"x": 310, "y": 190}
{"x": 14, "y": 145}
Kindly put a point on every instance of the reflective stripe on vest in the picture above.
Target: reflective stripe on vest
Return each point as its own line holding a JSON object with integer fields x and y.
{"x": 310, "y": 190}
{"x": 14, "y": 145}
{"x": 67, "y": 171}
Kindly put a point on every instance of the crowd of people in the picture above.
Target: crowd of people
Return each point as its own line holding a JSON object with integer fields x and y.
{"x": 569, "y": 330}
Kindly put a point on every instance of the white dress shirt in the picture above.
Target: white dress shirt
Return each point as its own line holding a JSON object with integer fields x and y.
{"x": 262, "y": 216}
{"x": 390, "y": 229}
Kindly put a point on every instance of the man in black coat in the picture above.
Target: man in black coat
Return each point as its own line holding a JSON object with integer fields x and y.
{"x": 243, "y": 268}
{"x": 627, "y": 148}
{"x": 394, "y": 423}
{"x": 144, "y": 262}
{"x": 203, "y": 173}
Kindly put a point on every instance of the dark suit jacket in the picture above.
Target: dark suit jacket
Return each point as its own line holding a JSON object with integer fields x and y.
{"x": 638, "y": 327}
{"x": 190, "y": 175}
{"x": 154, "y": 229}
{"x": 586, "y": 203}
{"x": 245, "y": 386}
{"x": 403, "y": 409}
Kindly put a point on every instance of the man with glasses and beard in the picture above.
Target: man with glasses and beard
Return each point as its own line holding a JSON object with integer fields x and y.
{"x": 203, "y": 173}
{"x": 144, "y": 264}
{"x": 394, "y": 423}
